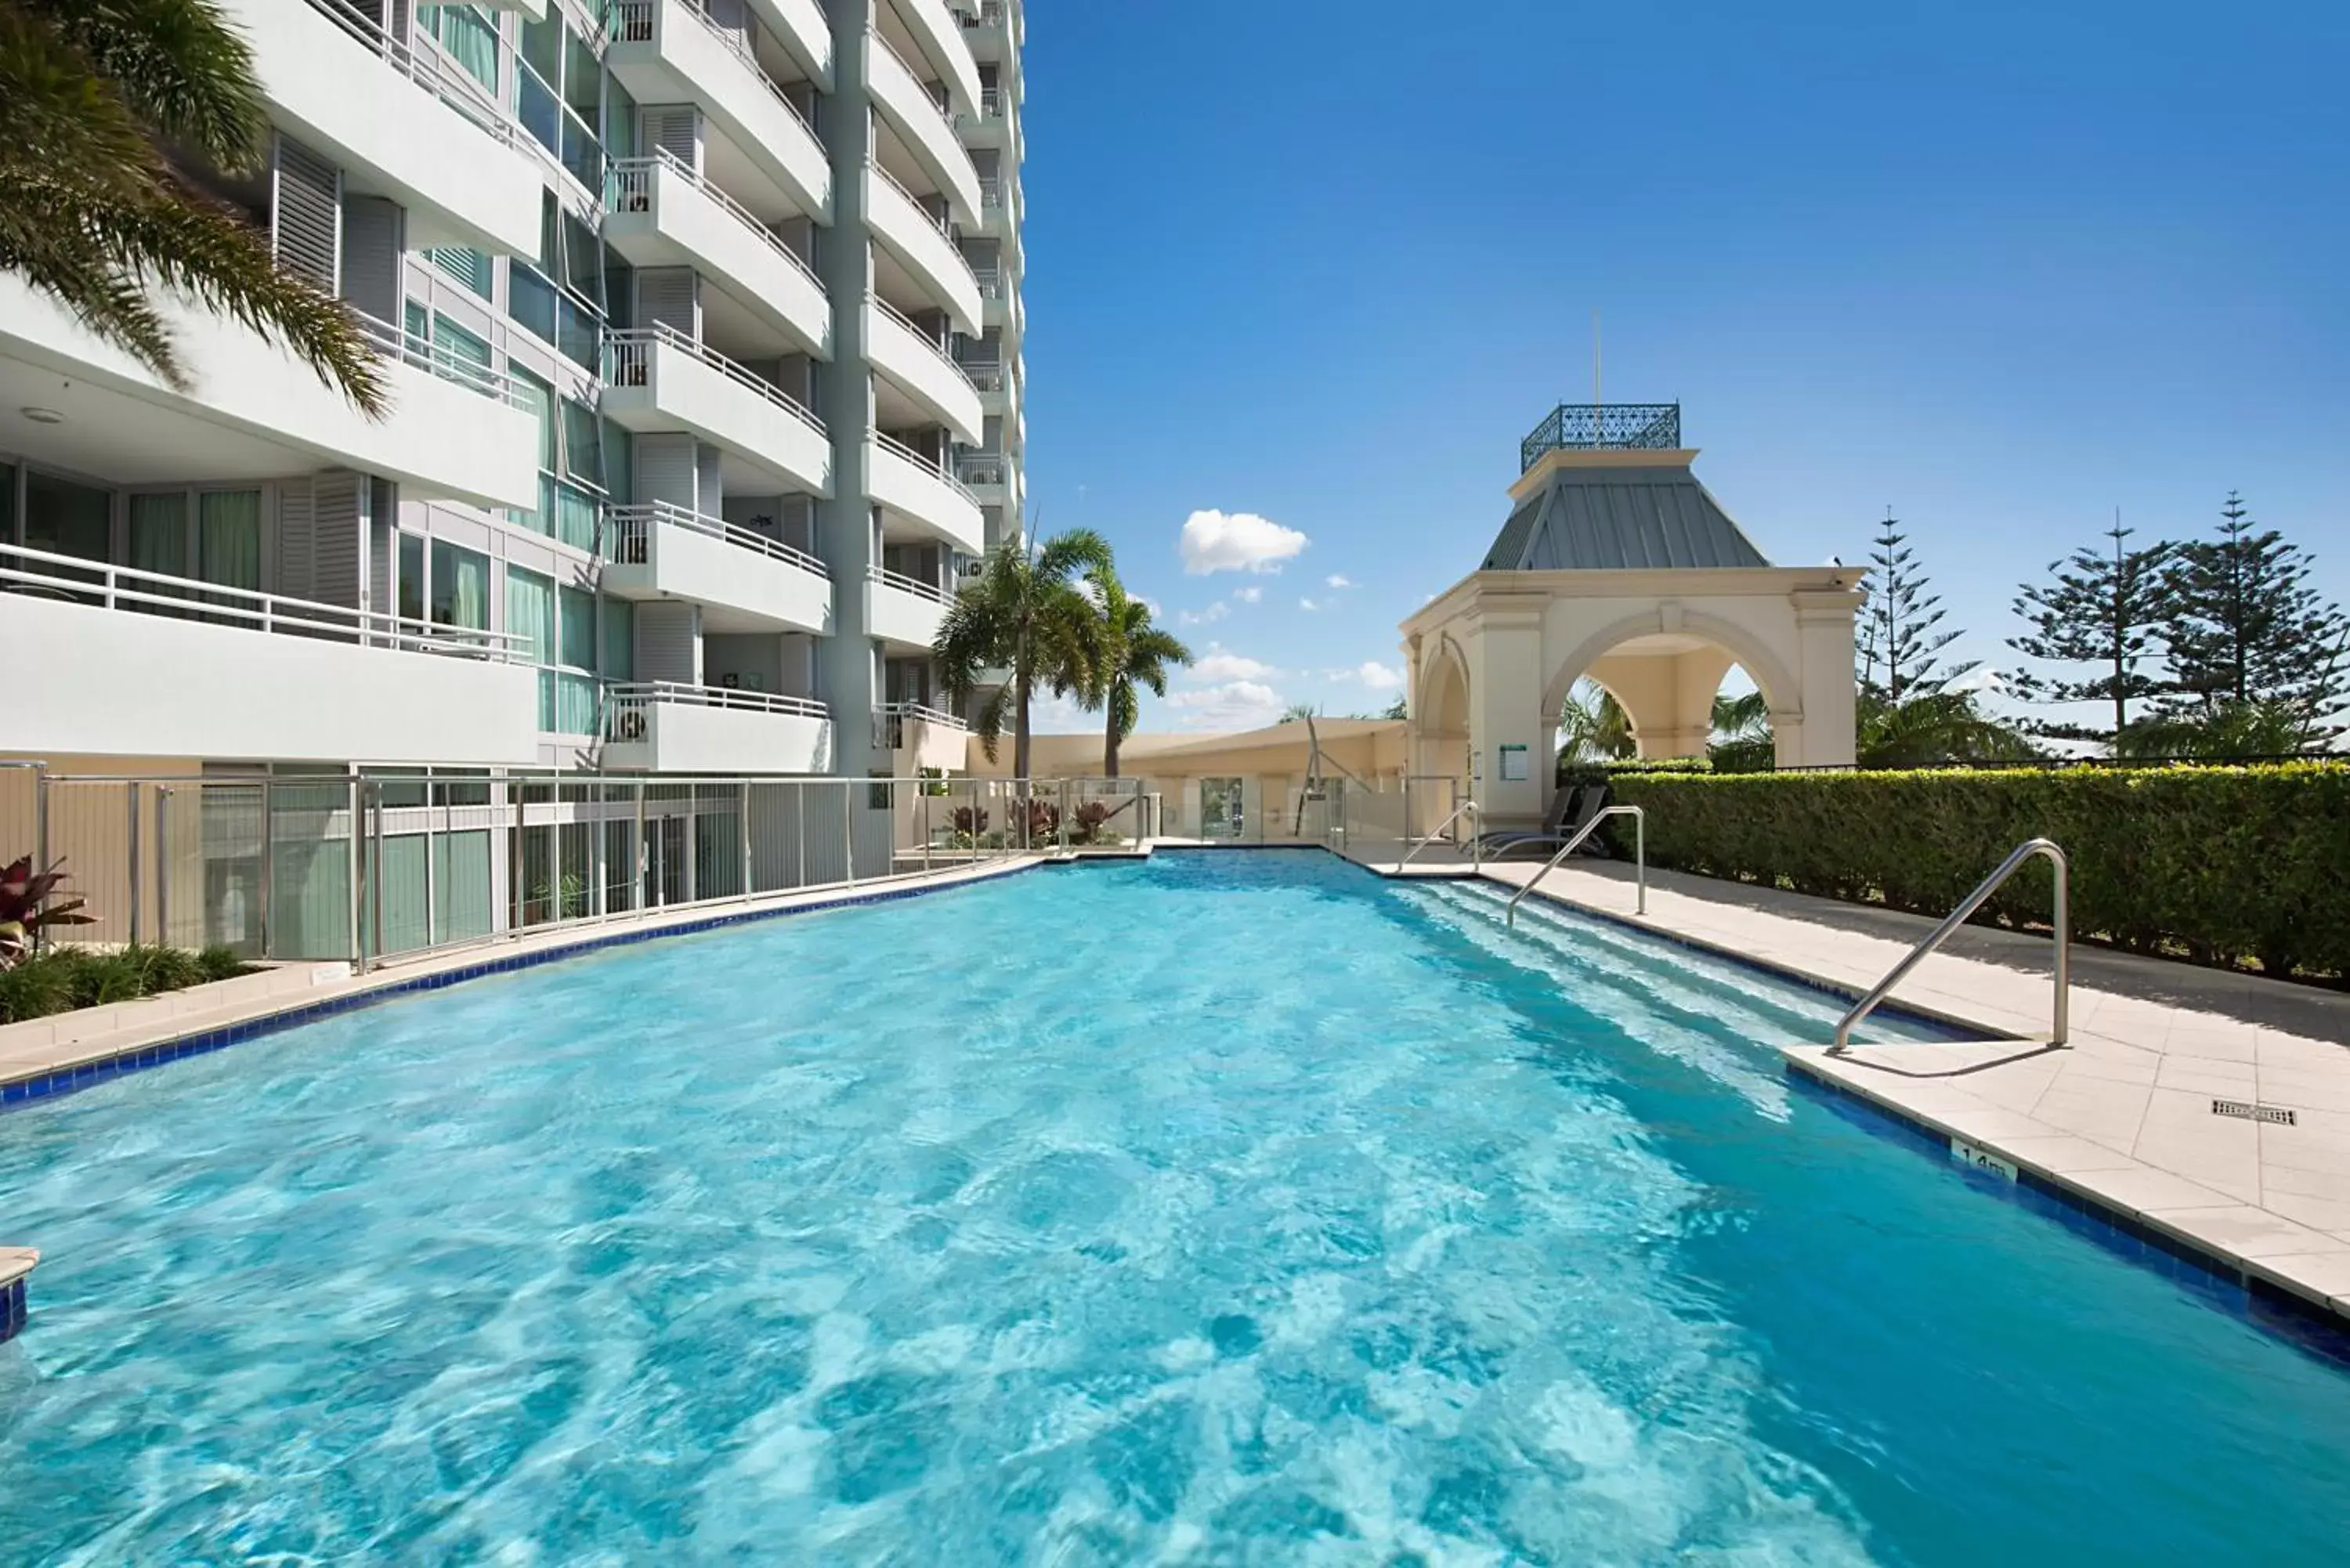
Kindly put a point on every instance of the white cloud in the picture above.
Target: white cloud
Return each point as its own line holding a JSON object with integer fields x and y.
{"x": 1371, "y": 672}
{"x": 1338, "y": 581}
{"x": 1307, "y": 605}
{"x": 1248, "y": 596}
{"x": 1237, "y": 541}
{"x": 1216, "y": 611}
{"x": 1218, "y": 665}
{"x": 1233, "y": 705}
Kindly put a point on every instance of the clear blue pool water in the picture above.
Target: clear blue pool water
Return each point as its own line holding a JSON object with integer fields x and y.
{"x": 1233, "y": 1209}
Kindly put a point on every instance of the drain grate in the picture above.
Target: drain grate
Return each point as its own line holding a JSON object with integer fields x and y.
{"x": 2276, "y": 1116}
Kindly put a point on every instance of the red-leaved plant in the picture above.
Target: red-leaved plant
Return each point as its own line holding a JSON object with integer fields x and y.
{"x": 24, "y": 908}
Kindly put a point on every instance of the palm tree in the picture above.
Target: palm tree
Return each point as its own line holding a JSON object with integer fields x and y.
{"x": 1134, "y": 653}
{"x": 1743, "y": 741}
{"x": 102, "y": 107}
{"x": 1297, "y": 713}
{"x": 2233, "y": 731}
{"x": 1925, "y": 729}
{"x": 1593, "y": 726}
{"x": 1025, "y": 614}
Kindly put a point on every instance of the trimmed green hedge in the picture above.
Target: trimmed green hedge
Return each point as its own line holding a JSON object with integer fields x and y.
{"x": 2228, "y": 864}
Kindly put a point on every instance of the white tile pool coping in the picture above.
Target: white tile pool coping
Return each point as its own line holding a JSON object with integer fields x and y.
{"x": 2123, "y": 1117}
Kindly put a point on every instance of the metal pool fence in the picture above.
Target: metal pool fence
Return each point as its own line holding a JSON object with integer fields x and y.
{"x": 378, "y": 865}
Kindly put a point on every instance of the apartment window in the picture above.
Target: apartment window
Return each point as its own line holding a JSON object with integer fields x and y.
{"x": 8, "y": 503}
{"x": 459, "y": 590}
{"x": 68, "y": 519}
{"x": 228, "y": 538}
{"x": 619, "y": 634}
{"x": 575, "y": 683}
{"x": 560, "y": 96}
{"x": 467, "y": 266}
{"x": 408, "y": 579}
{"x": 469, "y": 36}
{"x": 158, "y": 534}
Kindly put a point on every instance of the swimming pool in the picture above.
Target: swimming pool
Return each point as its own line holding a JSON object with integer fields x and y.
{"x": 1236, "y": 1207}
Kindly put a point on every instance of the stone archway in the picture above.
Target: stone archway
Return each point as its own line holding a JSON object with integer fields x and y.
{"x": 1664, "y": 667}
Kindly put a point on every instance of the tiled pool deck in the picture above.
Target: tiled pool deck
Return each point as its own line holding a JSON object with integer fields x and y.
{"x": 2124, "y": 1117}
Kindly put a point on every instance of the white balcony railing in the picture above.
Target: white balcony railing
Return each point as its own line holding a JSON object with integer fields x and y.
{"x": 629, "y": 355}
{"x": 995, "y": 378}
{"x": 626, "y": 705}
{"x": 906, "y": 585}
{"x": 426, "y": 64}
{"x": 414, "y": 349}
{"x": 101, "y": 585}
{"x": 921, "y": 335}
{"x": 629, "y": 188}
{"x": 980, "y": 468}
{"x": 931, "y": 466}
{"x": 890, "y": 719}
{"x": 939, "y": 221}
{"x": 990, "y": 192}
{"x": 625, "y": 535}
{"x": 638, "y": 22}
{"x": 944, "y": 113}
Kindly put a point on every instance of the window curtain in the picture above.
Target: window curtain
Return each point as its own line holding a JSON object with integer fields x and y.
{"x": 619, "y": 662}
{"x": 158, "y": 534}
{"x": 460, "y": 356}
{"x": 472, "y": 40}
{"x": 530, "y": 616}
{"x": 539, "y": 398}
{"x": 460, "y": 587}
{"x": 228, "y": 538}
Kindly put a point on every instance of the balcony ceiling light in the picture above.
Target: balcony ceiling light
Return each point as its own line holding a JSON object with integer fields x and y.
{"x": 42, "y": 416}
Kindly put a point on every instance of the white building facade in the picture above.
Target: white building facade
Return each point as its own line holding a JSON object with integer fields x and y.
{"x": 701, "y": 321}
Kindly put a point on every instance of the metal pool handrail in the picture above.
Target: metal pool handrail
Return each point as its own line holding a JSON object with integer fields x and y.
{"x": 1639, "y": 858}
{"x": 1466, "y": 808}
{"x": 2061, "y": 910}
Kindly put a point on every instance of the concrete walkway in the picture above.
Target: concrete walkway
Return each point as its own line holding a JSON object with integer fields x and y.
{"x": 2212, "y": 1108}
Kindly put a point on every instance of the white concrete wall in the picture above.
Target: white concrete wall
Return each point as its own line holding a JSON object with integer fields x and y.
{"x": 682, "y": 738}
{"x": 896, "y": 616}
{"x": 687, "y": 564}
{"x": 438, "y": 439}
{"x": 683, "y": 393}
{"x": 114, "y": 682}
{"x": 337, "y": 97}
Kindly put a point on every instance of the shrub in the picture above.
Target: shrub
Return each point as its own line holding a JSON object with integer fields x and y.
{"x": 62, "y": 979}
{"x": 2226, "y": 863}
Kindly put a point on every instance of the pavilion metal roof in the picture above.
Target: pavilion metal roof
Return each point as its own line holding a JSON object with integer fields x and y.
{"x": 1621, "y": 519}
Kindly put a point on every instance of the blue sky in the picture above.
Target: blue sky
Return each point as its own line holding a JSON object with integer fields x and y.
{"x": 2003, "y": 267}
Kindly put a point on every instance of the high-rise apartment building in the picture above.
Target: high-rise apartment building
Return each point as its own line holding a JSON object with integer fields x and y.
{"x": 703, "y": 324}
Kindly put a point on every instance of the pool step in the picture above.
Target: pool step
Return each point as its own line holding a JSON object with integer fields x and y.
{"x": 15, "y": 1267}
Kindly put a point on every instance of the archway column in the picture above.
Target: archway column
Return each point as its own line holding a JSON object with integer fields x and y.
{"x": 1827, "y": 734}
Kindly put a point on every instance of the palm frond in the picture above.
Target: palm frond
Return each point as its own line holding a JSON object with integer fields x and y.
{"x": 179, "y": 65}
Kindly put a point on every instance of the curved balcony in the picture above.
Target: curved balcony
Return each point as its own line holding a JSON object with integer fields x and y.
{"x": 902, "y": 610}
{"x": 746, "y": 581}
{"x": 921, "y": 243}
{"x": 941, "y": 37}
{"x": 925, "y": 127}
{"x": 906, "y": 483}
{"x": 663, "y": 726}
{"x": 911, "y": 358}
{"x": 670, "y": 51}
{"x": 910, "y": 485}
{"x": 921, "y": 737}
{"x": 657, "y": 379}
{"x": 660, "y": 212}
{"x": 801, "y": 24}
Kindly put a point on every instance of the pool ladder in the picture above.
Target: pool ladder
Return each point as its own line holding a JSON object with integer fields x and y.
{"x": 1476, "y": 844}
{"x": 1639, "y": 858}
{"x": 2061, "y": 915}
